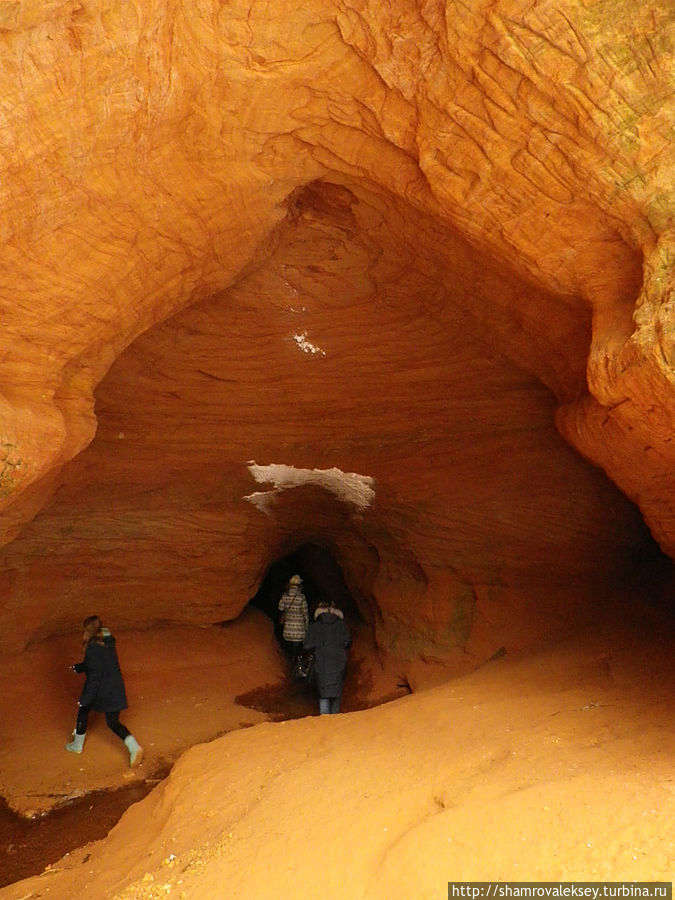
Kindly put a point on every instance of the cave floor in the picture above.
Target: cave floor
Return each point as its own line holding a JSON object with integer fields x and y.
{"x": 181, "y": 683}
{"x": 185, "y": 685}
{"x": 554, "y": 765}
{"x": 606, "y": 696}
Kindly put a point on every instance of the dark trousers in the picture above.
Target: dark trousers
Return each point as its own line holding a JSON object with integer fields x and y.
{"x": 112, "y": 720}
{"x": 292, "y": 648}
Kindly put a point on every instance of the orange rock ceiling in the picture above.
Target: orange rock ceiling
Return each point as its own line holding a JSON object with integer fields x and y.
{"x": 397, "y": 281}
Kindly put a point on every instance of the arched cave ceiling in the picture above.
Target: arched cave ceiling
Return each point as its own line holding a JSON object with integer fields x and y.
{"x": 405, "y": 266}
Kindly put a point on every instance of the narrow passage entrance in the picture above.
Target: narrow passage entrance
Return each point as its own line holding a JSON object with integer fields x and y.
{"x": 322, "y": 578}
{"x": 322, "y": 581}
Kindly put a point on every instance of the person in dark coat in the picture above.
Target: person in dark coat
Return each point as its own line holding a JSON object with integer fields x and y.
{"x": 329, "y": 638}
{"x": 103, "y": 689}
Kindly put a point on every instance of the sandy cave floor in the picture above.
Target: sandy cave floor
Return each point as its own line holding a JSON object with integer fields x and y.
{"x": 181, "y": 684}
{"x": 185, "y": 685}
{"x": 559, "y": 765}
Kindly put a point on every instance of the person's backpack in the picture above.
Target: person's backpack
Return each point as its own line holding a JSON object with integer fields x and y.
{"x": 303, "y": 666}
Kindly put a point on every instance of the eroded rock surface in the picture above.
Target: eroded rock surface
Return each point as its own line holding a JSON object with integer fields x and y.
{"x": 394, "y": 244}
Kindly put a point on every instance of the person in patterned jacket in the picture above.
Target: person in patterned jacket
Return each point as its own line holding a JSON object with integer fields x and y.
{"x": 294, "y": 615}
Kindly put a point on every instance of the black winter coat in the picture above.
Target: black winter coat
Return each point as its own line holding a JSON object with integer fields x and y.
{"x": 329, "y": 637}
{"x": 103, "y": 688}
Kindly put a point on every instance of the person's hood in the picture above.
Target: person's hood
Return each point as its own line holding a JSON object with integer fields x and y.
{"x": 328, "y": 613}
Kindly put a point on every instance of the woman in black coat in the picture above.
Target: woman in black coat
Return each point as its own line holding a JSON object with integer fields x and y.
{"x": 103, "y": 689}
{"x": 328, "y": 636}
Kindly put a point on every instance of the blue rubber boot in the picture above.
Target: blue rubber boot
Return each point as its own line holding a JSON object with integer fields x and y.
{"x": 77, "y": 743}
{"x": 135, "y": 750}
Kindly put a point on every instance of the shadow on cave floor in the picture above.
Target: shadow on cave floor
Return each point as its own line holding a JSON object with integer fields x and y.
{"x": 294, "y": 700}
{"x": 28, "y": 845}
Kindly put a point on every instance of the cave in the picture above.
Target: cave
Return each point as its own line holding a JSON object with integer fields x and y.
{"x": 322, "y": 577}
{"x": 383, "y": 296}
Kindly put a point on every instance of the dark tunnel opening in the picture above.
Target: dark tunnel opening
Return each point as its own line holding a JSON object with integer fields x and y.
{"x": 323, "y": 583}
{"x": 323, "y": 580}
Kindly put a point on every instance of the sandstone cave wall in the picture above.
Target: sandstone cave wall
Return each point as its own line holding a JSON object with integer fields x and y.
{"x": 162, "y": 159}
{"x": 362, "y": 344}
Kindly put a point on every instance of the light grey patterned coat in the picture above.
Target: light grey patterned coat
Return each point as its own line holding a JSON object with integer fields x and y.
{"x": 293, "y": 605}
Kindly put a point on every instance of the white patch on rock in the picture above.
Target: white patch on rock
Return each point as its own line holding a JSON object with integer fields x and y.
{"x": 357, "y": 490}
{"x": 307, "y": 346}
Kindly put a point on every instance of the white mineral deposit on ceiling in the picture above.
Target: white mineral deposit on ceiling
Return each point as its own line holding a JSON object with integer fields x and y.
{"x": 348, "y": 487}
{"x": 307, "y": 346}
